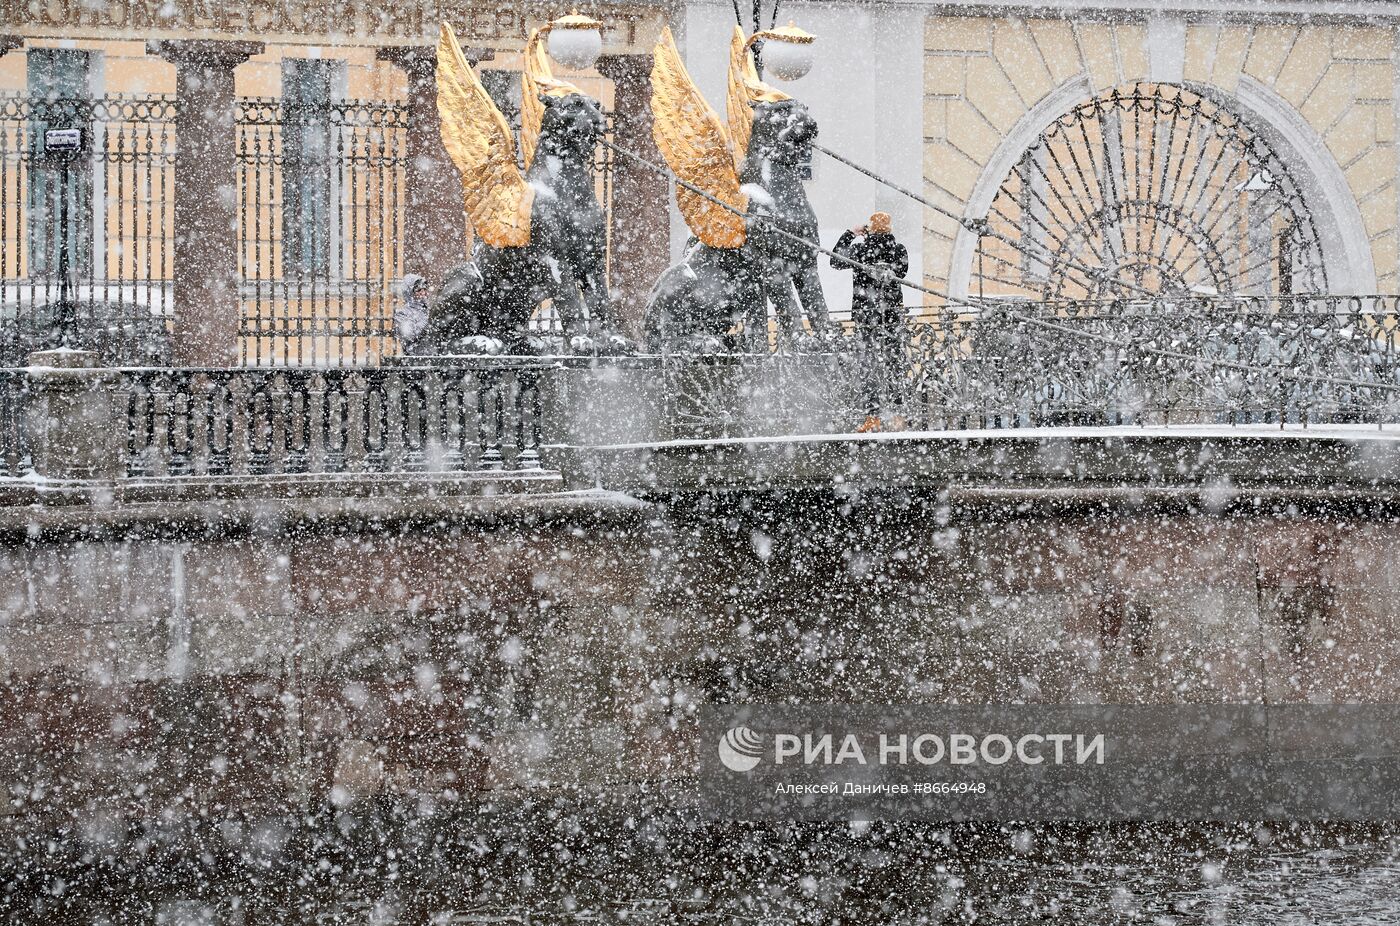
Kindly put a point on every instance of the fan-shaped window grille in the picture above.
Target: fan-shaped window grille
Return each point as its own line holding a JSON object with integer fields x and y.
{"x": 1150, "y": 190}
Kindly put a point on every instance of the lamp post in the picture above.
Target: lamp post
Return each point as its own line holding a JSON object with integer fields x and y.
{"x": 756, "y": 26}
{"x": 63, "y": 148}
{"x": 786, "y": 51}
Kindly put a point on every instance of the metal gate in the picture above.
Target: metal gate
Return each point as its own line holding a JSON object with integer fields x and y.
{"x": 87, "y": 228}
{"x": 321, "y": 219}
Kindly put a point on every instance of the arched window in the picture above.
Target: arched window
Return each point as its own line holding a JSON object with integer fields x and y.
{"x": 1148, "y": 190}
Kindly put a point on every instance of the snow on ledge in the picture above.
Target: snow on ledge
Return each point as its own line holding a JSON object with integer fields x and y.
{"x": 1334, "y": 432}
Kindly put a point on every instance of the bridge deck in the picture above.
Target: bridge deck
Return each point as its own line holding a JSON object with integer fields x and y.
{"x": 1217, "y": 462}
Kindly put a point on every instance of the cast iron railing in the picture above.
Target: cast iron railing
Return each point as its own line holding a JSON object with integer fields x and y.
{"x": 86, "y": 232}
{"x": 1014, "y": 363}
{"x": 1286, "y": 362}
{"x": 1209, "y": 360}
{"x": 321, "y": 217}
{"x": 460, "y": 417}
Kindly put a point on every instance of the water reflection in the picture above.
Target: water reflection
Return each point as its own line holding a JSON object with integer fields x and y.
{"x": 385, "y": 727}
{"x": 549, "y": 863}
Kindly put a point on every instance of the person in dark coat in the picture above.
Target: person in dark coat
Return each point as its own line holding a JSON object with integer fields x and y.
{"x": 877, "y": 311}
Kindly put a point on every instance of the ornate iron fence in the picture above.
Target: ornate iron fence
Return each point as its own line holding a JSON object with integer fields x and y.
{"x": 321, "y": 215}
{"x": 452, "y": 418}
{"x": 1286, "y": 362}
{"x": 1016, "y": 363}
{"x": 86, "y": 226}
{"x": 1221, "y": 360}
{"x": 1154, "y": 188}
{"x": 321, "y": 211}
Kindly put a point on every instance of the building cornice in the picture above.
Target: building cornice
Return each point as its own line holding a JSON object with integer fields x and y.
{"x": 1255, "y": 10}
{"x": 1377, "y": 12}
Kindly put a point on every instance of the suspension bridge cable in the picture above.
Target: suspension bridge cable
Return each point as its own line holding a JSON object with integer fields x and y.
{"x": 773, "y": 226}
{"x": 982, "y": 306}
{"x": 976, "y": 226}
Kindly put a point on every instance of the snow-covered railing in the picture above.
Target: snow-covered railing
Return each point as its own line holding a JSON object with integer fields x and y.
{"x": 1296, "y": 359}
{"x": 65, "y": 418}
{"x": 1016, "y": 364}
{"x": 446, "y": 418}
{"x": 1009, "y": 365}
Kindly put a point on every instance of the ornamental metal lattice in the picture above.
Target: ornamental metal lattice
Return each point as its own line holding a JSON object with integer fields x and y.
{"x": 1146, "y": 191}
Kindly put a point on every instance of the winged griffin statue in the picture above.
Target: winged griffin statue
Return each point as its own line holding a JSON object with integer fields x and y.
{"x": 737, "y": 264}
{"x": 540, "y": 233}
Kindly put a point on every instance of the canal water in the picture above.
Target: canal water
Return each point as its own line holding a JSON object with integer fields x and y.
{"x": 384, "y": 726}
{"x": 552, "y": 863}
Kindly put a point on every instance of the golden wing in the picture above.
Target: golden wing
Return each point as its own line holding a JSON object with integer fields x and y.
{"x": 478, "y": 139}
{"x": 536, "y": 78}
{"x": 693, "y": 141}
{"x": 745, "y": 89}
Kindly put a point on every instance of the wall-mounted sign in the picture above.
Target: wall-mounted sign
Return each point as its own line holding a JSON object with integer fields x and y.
{"x": 63, "y": 141}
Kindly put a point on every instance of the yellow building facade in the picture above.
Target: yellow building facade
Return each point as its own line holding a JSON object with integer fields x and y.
{"x": 1310, "y": 103}
{"x": 1080, "y": 150}
{"x": 322, "y": 155}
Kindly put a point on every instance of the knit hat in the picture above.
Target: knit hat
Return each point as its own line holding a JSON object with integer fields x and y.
{"x": 881, "y": 224}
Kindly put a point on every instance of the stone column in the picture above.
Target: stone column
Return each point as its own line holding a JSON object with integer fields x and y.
{"x": 9, "y": 43}
{"x": 434, "y": 228}
{"x": 641, "y": 211}
{"x": 206, "y": 198}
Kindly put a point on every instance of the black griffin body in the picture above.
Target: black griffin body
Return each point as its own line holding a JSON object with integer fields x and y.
{"x": 713, "y": 289}
{"x": 485, "y": 304}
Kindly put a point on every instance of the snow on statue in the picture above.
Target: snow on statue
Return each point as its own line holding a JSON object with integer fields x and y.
{"x": 752, "y": 250}
{"x": 541, "y": 235}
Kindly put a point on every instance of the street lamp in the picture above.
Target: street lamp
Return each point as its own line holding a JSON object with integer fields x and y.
{"x": 755, "y": 26}
{"x": 575, "y": 41}
{"x": 787, "y": 52}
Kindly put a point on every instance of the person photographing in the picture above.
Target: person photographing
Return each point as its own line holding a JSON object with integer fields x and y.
{"x": 877, "y": 312}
